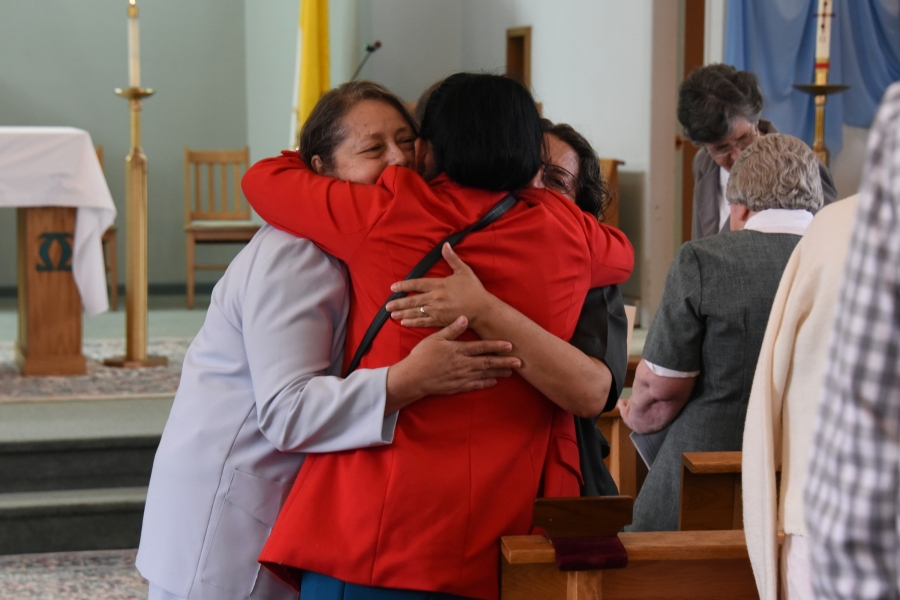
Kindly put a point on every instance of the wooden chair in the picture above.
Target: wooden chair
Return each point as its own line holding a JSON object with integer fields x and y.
{"x": 110, "y": 252}
{"x": 215, "y": 211}
{"x": 609, "y": 169}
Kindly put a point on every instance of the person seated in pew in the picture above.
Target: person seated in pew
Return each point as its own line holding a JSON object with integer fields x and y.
{"x": 570, "y": 167}
{"x": 425, "y": 517}
{"x": 701, "y": 351}
{"x": 719, "y": 108}
{"x": 786, "y": 391}
{"x": 260, "y": 387}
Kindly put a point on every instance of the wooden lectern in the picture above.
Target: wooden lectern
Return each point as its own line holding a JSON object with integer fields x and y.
{"x": 49, "y": 340}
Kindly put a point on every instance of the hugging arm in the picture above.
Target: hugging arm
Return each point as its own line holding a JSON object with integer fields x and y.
{"x": 337, "y": 215}
{"x": 576, "y": 382}
{"x": 292, "y": 321}
{"x": 611, "y": 252}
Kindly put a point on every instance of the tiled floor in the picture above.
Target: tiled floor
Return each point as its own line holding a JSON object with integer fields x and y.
{"x": 102, "y": 575}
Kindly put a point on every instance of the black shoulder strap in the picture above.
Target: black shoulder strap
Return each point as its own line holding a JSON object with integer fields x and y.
{"x": 423, "y": 267}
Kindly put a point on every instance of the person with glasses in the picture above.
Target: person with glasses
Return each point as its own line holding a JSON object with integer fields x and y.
{"x": 719, "y": 108}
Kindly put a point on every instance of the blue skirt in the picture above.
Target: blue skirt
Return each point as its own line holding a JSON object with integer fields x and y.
{"x": 314, "y": 586}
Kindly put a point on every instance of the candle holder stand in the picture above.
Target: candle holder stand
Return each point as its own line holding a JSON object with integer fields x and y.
{"x": 820, "y": 90}
{"x": 136, "y": 244}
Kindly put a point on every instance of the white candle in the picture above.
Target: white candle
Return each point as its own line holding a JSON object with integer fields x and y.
{"x": 134, "y": 47}
{"x": 823, "y": 33}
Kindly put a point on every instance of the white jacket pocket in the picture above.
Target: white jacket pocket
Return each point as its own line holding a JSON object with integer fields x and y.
{"x": 245, "y": 520}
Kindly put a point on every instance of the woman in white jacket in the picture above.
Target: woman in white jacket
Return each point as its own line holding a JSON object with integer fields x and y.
{"x": 260, "y": 387}
{"x": 784, "y": 402}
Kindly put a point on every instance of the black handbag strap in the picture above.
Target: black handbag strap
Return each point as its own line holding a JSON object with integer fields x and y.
{"x": 423, "y": 267}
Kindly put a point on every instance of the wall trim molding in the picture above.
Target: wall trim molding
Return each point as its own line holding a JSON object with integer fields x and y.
{"x": 154, "y": 289}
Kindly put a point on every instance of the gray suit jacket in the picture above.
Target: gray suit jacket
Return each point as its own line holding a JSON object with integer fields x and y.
{"x": 712, "y": 319}
{"x": 257, "y": 389}
{"x": 705, "y": 221}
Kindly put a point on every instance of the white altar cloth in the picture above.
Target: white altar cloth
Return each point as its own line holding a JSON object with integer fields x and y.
{"x": 58, "y": 166}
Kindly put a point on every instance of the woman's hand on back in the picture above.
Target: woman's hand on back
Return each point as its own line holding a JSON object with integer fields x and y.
{"x": 439, "y": 365}
{"x": 439, "y": 301}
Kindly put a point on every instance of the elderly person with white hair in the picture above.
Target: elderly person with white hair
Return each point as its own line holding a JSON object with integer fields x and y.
{"x": 702, "y": 348}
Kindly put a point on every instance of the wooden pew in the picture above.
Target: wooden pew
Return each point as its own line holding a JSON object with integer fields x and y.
{"x": 711, "y": 493}
{"x": 633, "y": 360}
{"x": 675, "y": 564}
{"x": 622, "y": 460}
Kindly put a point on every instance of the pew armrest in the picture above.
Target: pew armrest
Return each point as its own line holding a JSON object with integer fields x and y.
{"x": 641, "y": 547}
{"x": 705, "y": 463}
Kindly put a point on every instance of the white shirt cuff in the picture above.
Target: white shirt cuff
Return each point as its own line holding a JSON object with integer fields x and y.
{"x": 664, "y": 372}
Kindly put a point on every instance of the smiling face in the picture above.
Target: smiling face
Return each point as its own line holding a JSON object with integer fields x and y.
{"x": 560, "y": 155}
{"x": 376, "y": 137}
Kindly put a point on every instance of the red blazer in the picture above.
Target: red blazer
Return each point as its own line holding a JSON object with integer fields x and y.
{"x": 426, "y": 512}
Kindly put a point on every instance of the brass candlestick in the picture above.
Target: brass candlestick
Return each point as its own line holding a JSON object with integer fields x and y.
{"x": 820, "y": 91}
{"x": 136, "y": 245}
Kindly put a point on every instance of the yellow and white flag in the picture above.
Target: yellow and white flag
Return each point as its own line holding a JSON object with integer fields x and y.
{"x": 313, "y": 72}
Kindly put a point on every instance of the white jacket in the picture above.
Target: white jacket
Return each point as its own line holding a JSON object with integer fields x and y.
{"x": 787, "y": 385}
{"x": 250, "y": 402}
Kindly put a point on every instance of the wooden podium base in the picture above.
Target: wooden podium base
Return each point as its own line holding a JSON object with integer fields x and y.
{"x": 124, "y": 363}
{"x": 50, "y": 365}
{"x": 49, "y": 340}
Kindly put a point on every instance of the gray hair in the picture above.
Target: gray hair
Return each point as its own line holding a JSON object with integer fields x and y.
{"x": 776, "y": 171}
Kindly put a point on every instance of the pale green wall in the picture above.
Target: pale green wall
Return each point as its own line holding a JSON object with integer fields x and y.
{"x": 271, "y": 39}
{"x": 61, "y": 61}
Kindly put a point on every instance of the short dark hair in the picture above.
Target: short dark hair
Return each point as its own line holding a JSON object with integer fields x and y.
{"x": 711, "y": 97}
{"x": 324, "y": 129}
{"x": 593, "y": 193}
{"x": 485, "y": 131}
{"x": 422, "y": 102}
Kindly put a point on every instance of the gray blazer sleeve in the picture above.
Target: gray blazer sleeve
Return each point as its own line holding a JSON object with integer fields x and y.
{"x": 602, "y": 332}
{"x": 293, "y": 320}
{"x": 675, "y": 339}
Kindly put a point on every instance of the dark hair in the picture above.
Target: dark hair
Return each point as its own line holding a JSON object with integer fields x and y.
{"x": 422, "y": 102}
{"x": 711, "y": 97}
{"x": 485, "y": 131}
{"x": 324, "y": 129}
{"x": 593, "y": 194}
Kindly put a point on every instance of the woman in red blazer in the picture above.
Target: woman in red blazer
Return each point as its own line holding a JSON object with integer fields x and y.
{"x": 426, "y": 512}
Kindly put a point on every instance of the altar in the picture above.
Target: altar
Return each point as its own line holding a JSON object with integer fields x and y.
{"x": 51, "y": 175}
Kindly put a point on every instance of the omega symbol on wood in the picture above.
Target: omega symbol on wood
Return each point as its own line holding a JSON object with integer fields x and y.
{"x": 65, "y": 256}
